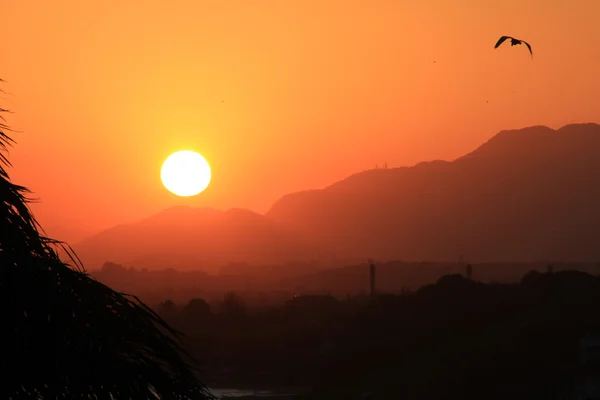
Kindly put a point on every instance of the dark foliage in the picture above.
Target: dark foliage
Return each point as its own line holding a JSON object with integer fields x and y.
{"x": 455, "y": 339}
{"x": 65, "y": 335}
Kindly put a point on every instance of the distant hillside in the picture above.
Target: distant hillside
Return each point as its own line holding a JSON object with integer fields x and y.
{"x": 526, "y": 195}
{"x": 65, "y": 233}
{"x": 191, "y": 238}
{"x": 396, "y": 276}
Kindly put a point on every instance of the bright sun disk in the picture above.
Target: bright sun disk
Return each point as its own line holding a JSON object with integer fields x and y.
{"x": 185, "y": 173}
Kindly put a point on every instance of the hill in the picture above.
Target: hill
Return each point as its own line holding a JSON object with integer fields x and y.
{"x": 524, "y": 196}
{"x": 195, "y": 238}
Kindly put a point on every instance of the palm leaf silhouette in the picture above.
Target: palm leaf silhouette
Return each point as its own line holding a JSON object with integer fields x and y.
{"x": 66, "y": 335}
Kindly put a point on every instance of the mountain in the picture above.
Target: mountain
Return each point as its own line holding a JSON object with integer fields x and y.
{"x": 524, "y": 196}
{"x": 65, "y": 233}
{"x": 196, "y": 238}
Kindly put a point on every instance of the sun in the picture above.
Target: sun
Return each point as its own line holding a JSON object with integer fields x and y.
{"x": 185, "y": 173}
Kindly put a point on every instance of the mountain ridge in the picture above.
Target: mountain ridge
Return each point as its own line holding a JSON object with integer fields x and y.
{"x": 200, "y": 236}
{"x": 523, "y": 195}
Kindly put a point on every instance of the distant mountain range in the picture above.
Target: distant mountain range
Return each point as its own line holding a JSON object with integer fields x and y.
{"x": 66, "y": 233}
{"x": 524, "y": 196}
{"x": 196, "y": 238}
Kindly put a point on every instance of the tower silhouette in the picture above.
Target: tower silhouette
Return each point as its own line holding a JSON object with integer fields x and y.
{"x": 469, "y": 272}
{"x": 371, "y": 278}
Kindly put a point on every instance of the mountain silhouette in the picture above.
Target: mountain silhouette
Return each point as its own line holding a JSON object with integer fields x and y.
{"x": 67, "y": 233}
{"x": 195, "y": 238}
{"x": 526, "y": 195}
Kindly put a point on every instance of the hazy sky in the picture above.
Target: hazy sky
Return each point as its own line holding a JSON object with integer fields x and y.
{"x": 278, "y": 95}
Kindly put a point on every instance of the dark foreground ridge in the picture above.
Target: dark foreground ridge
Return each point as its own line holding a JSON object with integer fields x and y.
{"x": 454, "y": 339}
{"x": 67, "y": 336}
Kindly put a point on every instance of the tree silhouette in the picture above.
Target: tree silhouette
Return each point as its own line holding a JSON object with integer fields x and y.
{"x": 66, "y": 335}
{"x": 233, "y": 306}
{"x": 196, "y": 308}
{"x": 167, "y": 306}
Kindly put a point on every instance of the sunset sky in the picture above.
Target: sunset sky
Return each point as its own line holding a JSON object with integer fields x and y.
{"x": 278, "y": 95}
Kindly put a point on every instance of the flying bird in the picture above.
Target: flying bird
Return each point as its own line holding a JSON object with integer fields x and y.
{"x": 513, "y": 42}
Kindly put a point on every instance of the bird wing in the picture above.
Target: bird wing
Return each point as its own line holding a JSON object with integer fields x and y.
{"x": 501, "y": 40}
{"x": 529, "y": 47}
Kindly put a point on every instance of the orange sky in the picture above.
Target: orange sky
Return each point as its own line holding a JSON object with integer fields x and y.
{"x": 313, "y": 91}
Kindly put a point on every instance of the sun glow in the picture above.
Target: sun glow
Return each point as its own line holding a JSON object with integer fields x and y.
{"x": 185, "y": 173}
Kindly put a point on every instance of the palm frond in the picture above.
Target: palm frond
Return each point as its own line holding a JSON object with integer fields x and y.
{"x": 66, "y": 335}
